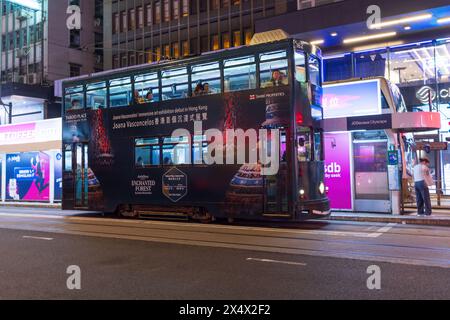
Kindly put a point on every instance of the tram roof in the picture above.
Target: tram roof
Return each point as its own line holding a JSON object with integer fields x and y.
{"x": 164, "y": 64}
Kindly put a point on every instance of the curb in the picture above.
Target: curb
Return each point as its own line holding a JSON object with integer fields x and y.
{"x": 31, "y": 205}
{"x": 400, "y": 220}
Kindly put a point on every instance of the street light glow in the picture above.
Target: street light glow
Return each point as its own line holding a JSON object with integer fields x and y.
{"x": 370, "y": 37}
{"x": 32, "y": 4}
{"x": 401, "y": 21}
{"x": 317, "y": 42}
{"x": 444, "y": 20}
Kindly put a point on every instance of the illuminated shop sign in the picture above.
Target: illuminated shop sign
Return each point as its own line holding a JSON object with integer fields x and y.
{"x": 352, "y": 99}
{"x": 31, "y": 132}
{"x": 427, "y": 93}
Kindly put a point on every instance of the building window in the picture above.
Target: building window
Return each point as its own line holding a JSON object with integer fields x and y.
{"x": 116, "y": 63}
{"x": 176, "y": 49}
{"x": 215, "y": 42}
{"x": 132, "y": 59}
{"x": 166, "y": 11}
{"x": 132, "y": 19}
{"x": 185, "y": 8}
{"x": 225, "y": 40}
{"x": 176, "y": 9}
{"x": 74, "y": 38}
{"x": 237, "y": 38}
{"x": 185, "y": 48}
{"x": 75, "y": 69}
{"x": 215, "y": 4}
{"x": 157, "y": 53}
{"x": 140, "y": 17}
{"x": 167, "y": 54}
{"x": 157, "y": 12}
{"x": 116, "y": 26}
{"x": 149, "y": 15}
{"x": 248, "y": 36}
{"x": 124, "y": 21}
{"x": 141, "y": 58}
{"x": 225, "y": 3}
{"x": 124, "y": 61}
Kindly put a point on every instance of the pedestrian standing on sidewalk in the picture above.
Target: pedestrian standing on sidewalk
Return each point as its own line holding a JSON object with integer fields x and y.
{"x": 423, "y": 180}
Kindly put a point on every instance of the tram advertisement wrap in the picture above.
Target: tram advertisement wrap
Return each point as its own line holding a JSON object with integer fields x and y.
{"x": 27, "y": 176}
{"x": 338, "y": 171}
{"x": 114, "y": 161}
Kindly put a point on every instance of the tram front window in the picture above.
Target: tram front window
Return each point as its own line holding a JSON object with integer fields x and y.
{"x": 304, "y": 144}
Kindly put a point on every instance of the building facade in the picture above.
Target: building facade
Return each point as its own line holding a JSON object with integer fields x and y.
{"x": 40, "y": 44}
{"x": 38, "y": 48}
{"x": 141, "y": 31}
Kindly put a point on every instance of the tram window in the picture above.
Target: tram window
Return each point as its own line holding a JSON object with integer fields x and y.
{"x": 174, "y": 84}
{"x": 147, "y": 86}
{"x": 206, "y": 74}
{"x": 274, "y": 74}
{"x": 200, "y": 149}
{"x": 240, "y": 74}
{"x": 120, "y": 94}
{"x": 318, "y": 154}
{"x": 176, "y": 151}
{"x": 314, "y": 70}
{"x": 74, "y": 98}
{"x": 96, "y": 95}
{"x": 68, "y": 158}
{"x": 300, "y": 66}
{"x": 304, "y": 144}
{"x": 147, "y": 152}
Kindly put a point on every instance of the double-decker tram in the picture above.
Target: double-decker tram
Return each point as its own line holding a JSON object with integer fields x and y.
{"x": 229, "y": 134}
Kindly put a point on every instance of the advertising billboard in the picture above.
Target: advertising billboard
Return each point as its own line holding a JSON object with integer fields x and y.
{"x": 58, "y": 175}
{"x": 352, "y": 99}
{"x": 338, "y": 177}
{"x": 27, "y": 176}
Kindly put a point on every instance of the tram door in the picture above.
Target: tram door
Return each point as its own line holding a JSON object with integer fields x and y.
{"x": 276, "y": 186}
{"x": 80, "y": 173}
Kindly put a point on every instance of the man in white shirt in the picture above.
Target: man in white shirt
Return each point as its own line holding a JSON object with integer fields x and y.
{"x": 423, "y": 180}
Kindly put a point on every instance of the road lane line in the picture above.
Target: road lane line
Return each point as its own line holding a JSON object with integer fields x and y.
{"x": 382, "y": 230}
{"x": 37, "y": 238}
{"x": 277, "y": 261}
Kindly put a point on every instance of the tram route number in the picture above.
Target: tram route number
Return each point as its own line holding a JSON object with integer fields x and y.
{"x": 226, "y": 310}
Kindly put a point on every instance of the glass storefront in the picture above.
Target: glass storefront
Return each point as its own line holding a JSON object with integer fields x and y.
{"x": 422, "y": 73}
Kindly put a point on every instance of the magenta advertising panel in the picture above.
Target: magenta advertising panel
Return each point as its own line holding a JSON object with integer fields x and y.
{"x": 338, "y": 178}
{"x": 27, "y": 176}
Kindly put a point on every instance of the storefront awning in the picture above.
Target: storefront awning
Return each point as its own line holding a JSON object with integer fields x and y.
{"x": 400, "y": 122}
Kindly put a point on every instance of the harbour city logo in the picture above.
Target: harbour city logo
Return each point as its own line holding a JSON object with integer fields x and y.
{"x": 426, "y": 94}
{"x": 234, "y": 146}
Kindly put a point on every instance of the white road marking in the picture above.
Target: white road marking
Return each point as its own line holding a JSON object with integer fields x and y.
{"x": 37, "y": 238}
{"x": 277, "y": 261}
{"x": 382, "y": 230}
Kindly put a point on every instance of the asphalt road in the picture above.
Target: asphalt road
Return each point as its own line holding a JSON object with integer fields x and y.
{"x": 129, "y": 259}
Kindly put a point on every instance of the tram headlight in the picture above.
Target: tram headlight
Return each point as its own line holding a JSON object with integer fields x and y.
{"x": 302, "y": 192}
{"x": 322, "y": 188}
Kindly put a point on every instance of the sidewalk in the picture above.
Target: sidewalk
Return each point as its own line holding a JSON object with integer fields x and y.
{"x": 438, "y": 218}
